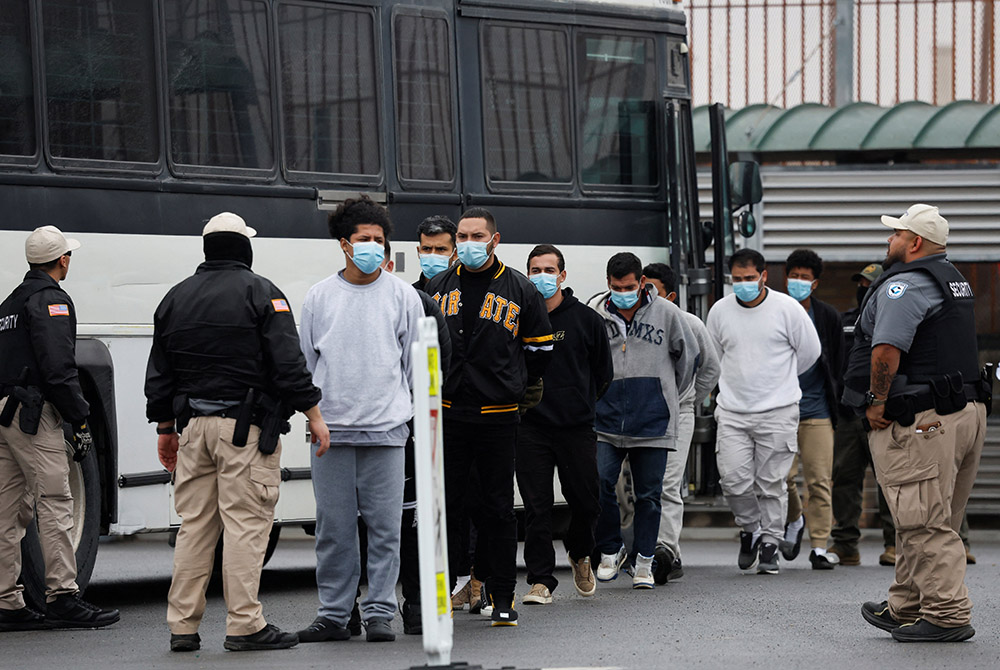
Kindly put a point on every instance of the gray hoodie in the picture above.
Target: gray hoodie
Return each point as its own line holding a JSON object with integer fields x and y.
{"x": 655, "y": 357}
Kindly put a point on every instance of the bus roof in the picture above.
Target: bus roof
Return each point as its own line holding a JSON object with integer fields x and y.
{"x": 646, "y": 10}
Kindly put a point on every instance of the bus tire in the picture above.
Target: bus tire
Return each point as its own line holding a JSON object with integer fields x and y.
{"x": 85, "y": 487}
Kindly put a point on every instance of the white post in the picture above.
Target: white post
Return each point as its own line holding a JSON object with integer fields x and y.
{"x": 432, "y": 529}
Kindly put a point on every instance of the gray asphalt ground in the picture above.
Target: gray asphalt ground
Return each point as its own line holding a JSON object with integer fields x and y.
{"x": 714, "y": 617}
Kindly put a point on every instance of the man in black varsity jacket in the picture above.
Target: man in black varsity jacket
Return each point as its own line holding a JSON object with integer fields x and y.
{"x": 501, "y": 343}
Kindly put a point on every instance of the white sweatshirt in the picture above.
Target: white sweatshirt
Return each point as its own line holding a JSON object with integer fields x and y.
{"x": 763, "y": 350}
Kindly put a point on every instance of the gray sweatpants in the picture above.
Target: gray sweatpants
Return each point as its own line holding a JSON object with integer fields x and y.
{"x": 754, "y": 453}
{"x": 348, "y": 480}
{"x": 671, "y": 500}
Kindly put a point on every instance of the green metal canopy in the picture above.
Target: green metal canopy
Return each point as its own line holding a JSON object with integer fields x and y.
{"x": 857, "y": 127}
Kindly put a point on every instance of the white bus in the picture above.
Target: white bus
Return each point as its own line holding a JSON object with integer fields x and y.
{"x": 128, "y": 124}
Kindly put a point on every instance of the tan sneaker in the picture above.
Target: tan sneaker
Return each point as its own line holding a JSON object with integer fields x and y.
{"x": 461, "y": 598}
{"x": 583, "y": 577}
{"x": 538, "y": 595}
{"x": 475, "y": 596}
{"x": 888, "y": 556}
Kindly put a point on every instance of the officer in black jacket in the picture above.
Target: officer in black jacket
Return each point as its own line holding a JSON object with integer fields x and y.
{"x": 914, "y": 372}
{"x": 225, "y": 372}
{"x": 39, "y": 390}
{"x": 558, "y": 433}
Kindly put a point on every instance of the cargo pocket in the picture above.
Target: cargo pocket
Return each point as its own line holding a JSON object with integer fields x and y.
{"x": 915, "y": 495}
{"x": 264, "y": 484}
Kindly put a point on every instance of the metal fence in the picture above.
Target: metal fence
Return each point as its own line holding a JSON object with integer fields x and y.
{"x": 787, "y": 52}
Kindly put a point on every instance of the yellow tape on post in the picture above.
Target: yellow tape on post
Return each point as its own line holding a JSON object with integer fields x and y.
{"x": 443, "y": 599}
{"x": 433, "y": 368}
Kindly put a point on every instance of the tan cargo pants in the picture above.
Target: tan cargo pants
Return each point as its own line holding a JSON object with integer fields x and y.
{"x": 221, "y": 489}
{"x": 926, "y": 471}
{"x": 816, "y": 456}
{"x": 35, "y": 469}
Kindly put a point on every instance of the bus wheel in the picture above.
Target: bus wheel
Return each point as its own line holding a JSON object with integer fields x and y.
{"x": 85, "y": 487}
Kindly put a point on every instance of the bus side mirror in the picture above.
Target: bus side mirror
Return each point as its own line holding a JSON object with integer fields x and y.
{"x": 744, "y": 184}
{"x": 746, "y": 224}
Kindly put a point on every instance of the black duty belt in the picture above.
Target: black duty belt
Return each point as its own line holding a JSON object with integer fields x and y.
{"x": 225, "y": 413}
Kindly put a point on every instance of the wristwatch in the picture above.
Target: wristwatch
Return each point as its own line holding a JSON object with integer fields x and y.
{"x": 169, "y": 430}
{"x": 872, "y": 401}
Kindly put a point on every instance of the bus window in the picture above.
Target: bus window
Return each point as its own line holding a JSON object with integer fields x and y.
{"x": 99, "y": 81}
{"x": 17, "y": 96}
{"x": 329, "y": 85}
{"x": 219, "y": 96}
{"x": 424, "y": 115}
{"x": 616, "y": 88}
{"x": 526, "y": 114}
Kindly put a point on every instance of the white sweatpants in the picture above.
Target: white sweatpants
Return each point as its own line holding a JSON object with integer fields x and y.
{"x": 754, "y": 453}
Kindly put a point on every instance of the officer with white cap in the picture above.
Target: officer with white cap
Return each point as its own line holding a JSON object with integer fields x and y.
{"x": 39, "y": 390}
{"x": 225, "y": 372}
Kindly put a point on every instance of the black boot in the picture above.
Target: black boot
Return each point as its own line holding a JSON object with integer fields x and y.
{"x": 69, "y": 610}
{"x": 22, "y": 619}
{"x": 268, "y": 637}
{"x": 413, "y": 623}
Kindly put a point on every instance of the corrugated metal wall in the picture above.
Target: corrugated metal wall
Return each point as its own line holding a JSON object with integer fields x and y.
{"x": 836, "y": 211}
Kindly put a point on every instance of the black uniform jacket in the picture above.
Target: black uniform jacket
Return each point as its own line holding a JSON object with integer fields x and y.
{"x": 580, "y": 370}
{"x": 510, "y": 343}
{"x": 38, "y": 332}
{"x": 220, "y": 332}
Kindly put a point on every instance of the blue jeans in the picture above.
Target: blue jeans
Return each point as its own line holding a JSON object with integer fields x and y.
{"x": 647, "y": 465}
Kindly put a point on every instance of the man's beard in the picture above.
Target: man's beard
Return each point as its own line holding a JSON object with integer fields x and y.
{"x": 891, "y": 259}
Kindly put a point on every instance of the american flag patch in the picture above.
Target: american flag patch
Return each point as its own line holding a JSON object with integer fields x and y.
{"x": 280, "y": 305}
{"x": 58, "y": 310}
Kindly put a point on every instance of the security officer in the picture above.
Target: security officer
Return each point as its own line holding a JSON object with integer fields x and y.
{"x": 914, "y": 373}
{"x": 39, "y": 390}
{"x": 224, "y": 366}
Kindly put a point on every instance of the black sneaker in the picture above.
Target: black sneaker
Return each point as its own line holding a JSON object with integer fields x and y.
{"x": 413, "y": 623}
{"x": 379, "y": 630}
{"x": 504, "y": 615}
{"x": 676, "y": 571}
{"x": 768, "y": 564}
{"x": 185, "y": 642}
{"x": 22, "y": 619}
{"x": 925, "y": 631}
{"x": 268, "y": 637}
{"x": 354, "y": 623}
{"x": 877, "y": 614}
{"x": 790, "y": 548}
{"x": 749, "y": 551}
{"x": 69, "y": 610}
{"x": 821, "y": 561}
{"x": 663, "y": 560}
{"x": 323, "y": 629}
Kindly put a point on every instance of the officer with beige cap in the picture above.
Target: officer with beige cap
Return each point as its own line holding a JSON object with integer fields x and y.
{"x": 225, "y": 372}
{"x": 39, "y": 390}
{"x": 914, "y": 374}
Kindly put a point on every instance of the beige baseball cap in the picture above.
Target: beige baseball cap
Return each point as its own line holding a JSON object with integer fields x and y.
{"x": 46, "y": 244}
{"x": 227, "y": 222}
{"x": 922, "y": 220}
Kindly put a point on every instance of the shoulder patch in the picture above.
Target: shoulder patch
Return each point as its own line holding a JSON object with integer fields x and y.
{"x": 280, "y": 305}
{"x": 58, "y": 310}
{"x": 896, "y": 289}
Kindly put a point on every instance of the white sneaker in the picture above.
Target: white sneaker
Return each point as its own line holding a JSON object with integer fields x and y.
{"x": 610, "y": 565}
{"x": 642, "y": 573}
{"x": 538, "y": 595}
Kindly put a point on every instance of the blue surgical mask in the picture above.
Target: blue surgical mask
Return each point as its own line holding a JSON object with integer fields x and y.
{"x": 625, "y": 299}
{"x": 433, "y": 264}
{"x": 746, "y": 291}
{"x": 473, "y": 254}
{"x": 368, "y": 256}
{"x": 799, "y": 288}
{"x": 545, "y": 283}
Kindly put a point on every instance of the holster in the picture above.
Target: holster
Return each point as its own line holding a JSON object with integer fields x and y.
{"x": 900, "y": 409}
{"x": 272, "y": 416}
{"x": 986, "y": 388}
{"x": 244, "y": 417}
{"x": 182, "y": 412}
{"x": 7, "y": 415}
{"x": 31, "y": 401}
{"x": 949, "y": 393}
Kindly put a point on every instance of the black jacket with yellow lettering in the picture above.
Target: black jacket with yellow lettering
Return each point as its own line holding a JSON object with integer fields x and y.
{"x": 510, "y": 344}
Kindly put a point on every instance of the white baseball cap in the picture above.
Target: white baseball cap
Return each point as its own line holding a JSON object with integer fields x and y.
{"x": 46, "y": 244}
{"x": 227, "y": 222}
{"x": 922, "y": 220}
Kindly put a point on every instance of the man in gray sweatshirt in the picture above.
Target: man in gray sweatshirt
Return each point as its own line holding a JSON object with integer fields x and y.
{"x": 357, "y": 328}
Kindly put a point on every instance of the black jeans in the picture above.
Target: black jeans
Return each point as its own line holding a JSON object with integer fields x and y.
{"x": 851, "y": 458}
{"x": 489, "y": 449}
{"x": 573, "y": 452}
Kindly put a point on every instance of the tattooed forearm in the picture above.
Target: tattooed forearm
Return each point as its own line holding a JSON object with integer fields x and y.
{"x": 885, "y": 363}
